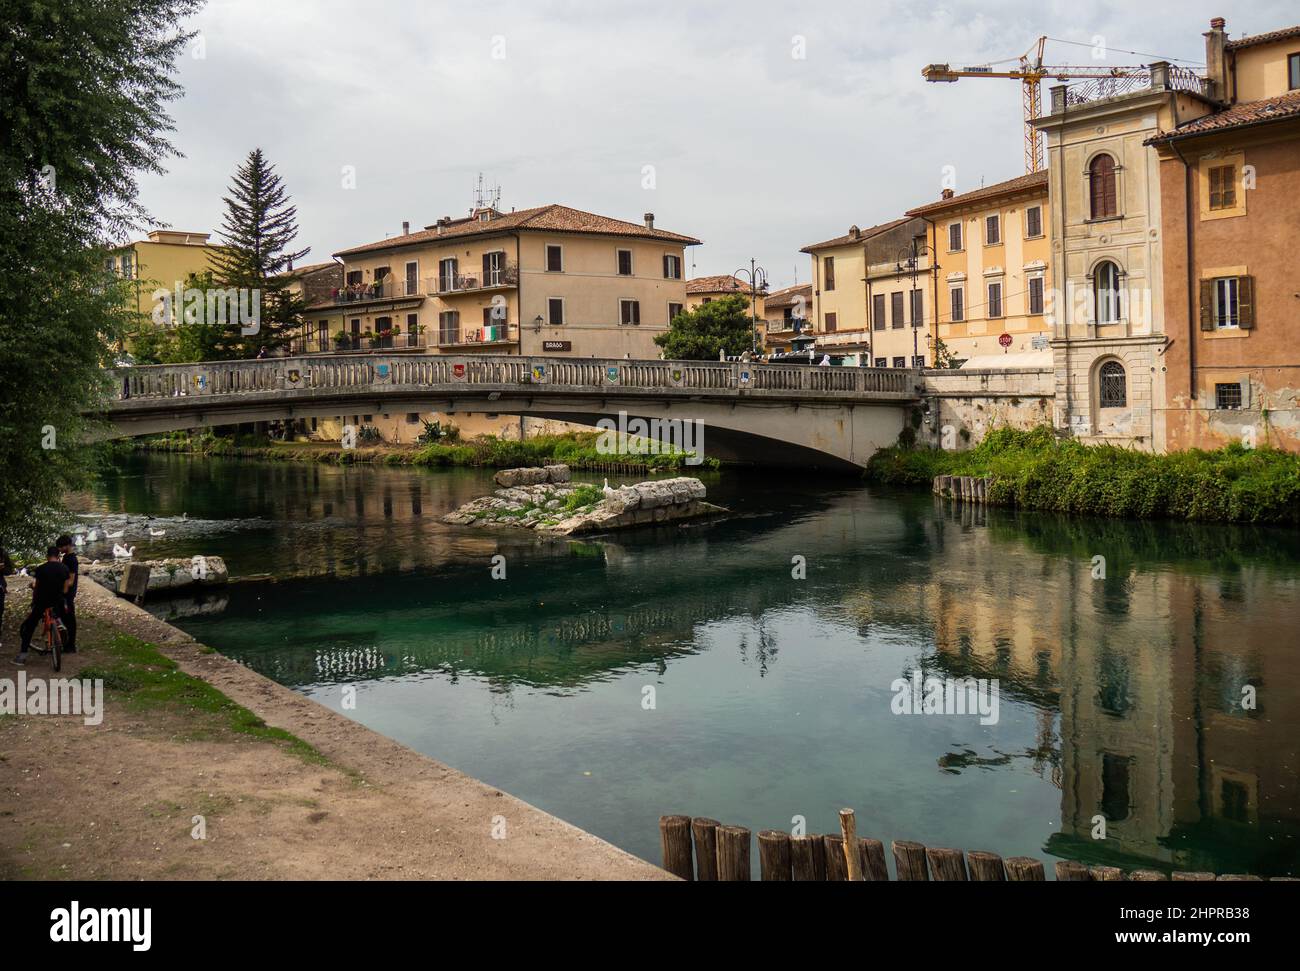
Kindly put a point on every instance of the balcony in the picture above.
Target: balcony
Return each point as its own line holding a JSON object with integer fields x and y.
{"x": 792, "y": 325}
{"x": 491, "y": 336}
{"x": 1159, "y": 76}
{"x": 387, "y": 289}
{"x": 360, "y": 342}
{"x": 474, "y": 281}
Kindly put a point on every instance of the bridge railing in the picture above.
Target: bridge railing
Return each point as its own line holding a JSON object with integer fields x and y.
{"x": 235, "y": 378}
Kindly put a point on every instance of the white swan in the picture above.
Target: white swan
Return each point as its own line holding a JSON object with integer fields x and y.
{"x": 157, "y": 532}
{"x": 607, "y": 490}
{"x": 78, "y": 540}
{"x": 121, "y": 552}
{"x": 93, "y": 535}
{"x": 118, "y": 535}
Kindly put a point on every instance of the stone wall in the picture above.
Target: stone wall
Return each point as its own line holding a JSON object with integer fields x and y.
{"x": 961, "y": 405}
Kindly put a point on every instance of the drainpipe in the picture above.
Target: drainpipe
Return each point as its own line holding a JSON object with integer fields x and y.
{"x": 1193, "y": 295}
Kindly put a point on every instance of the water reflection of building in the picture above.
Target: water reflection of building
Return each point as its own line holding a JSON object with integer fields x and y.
{"x": 1149, "y": 665}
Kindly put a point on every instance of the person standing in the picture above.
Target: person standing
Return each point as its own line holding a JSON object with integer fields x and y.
{"x": 49, "y": 592}
{"x": 69, "y": 554}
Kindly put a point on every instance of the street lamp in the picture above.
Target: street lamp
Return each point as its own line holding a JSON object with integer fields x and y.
{"x": 909, "y": 258}
{"x": 757, "y": 277}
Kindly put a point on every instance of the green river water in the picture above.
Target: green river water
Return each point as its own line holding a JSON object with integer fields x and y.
{"x": 686, "y": 670}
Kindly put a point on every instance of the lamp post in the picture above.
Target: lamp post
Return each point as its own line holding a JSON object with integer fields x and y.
{"x": 909, "y": 258}
{"x": 757, "y": 277}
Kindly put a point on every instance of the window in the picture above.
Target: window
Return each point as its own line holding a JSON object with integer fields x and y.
{"x": 354, "y": 277}
{"x": 672, "y": 267}
{"x": 995, "y": 300}
{"x": 555, "y": 311}
{"x": 447, "y": 274}
{"x": 128, "y": 270}
{"x": 1035, "y": 295}
{"x": 956, "y": 303}
{"x": 1114, "y": 787}
{"x": 878, "y": 311}
{"x": 1235, "y": 800}
{"x": 1034, "y": 221}
{"x": 629, "y": 312}
{"x": 673, "y": 310}
{"x": 413, "y": 418}
{"x": 1293, "y": 72}
{"x": 1227, "y": 395}
{"x": 1227, "y": 307}
{"x": 1228, "y": 303}
{"x": 322, "y": 335}
{"x": 494, "y": 268}
{"x": 412, "y": 329}
{"x": 412, "y": 279}
{"x": 1223, "y": 187}
{"x": 832, "y": 321}
{"x": 882, "y": 362}
{"x": 1112, "y": 386}
{"x": 918, "y": 308}
{"x": 554, "y": 258}
{"x": 896, "y": 309}
{"x": 954, "y": 237}
{"x": 1105, "y": 290}
{"x": 449, "y": 327}
{"x": 900, "y": 362}
{"x": 918, "y": 360}
{"x": 625, "y": 262}
{"x": 828, "y": 272}
{"x": 992, "y": 230}
{"x": 1101, "y": 187}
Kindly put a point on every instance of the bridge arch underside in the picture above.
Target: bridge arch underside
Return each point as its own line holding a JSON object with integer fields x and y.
{"x": 760, "y": 431}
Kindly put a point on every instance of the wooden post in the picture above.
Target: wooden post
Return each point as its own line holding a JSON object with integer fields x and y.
{"x": 873, "y": 860}
{"x": 836, "y": 866}
{"x": 909, "y": 860}
{"x": 774, "y": 855}
{"x": 985, "y": 867}
{"x": 946, "y": 865}
{"x": 1106, "y": 874}
{"x": 675, "y": 839}
{"x": 1070, "y": 870}
{"x": 852, "y": 857}
{"x": 134, "y": 581}
{"x": 807, "y": 858}
{"x": 733, "y": 853}
{"x": 705, "y": 831}
{"x": 1025, "y": 869}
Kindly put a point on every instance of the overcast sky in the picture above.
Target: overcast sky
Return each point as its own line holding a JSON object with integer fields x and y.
{"x": 755, "y": 149}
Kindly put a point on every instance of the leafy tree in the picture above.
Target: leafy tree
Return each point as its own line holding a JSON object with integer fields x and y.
{"x": 82, "y": 113}
{"x": 700, "y": 334}
{"x": 258, "y": 231}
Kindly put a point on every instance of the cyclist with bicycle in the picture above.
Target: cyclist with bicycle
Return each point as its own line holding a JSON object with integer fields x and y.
{"x": 49, "y": 592}
{"x": 69, "y": 555}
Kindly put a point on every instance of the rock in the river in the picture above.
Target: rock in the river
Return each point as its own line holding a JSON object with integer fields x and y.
{"x": 509, "y": 478}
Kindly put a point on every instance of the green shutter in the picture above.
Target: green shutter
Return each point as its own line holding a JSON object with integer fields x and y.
{"x": 1246, "y": 302}
{"x": 1207, "y": 305}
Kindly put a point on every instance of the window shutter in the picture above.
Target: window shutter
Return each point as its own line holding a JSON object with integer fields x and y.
{"x": 1207, "y": 305}
{"x": 667, "y": 276}
{"x": 1246, "y": 302}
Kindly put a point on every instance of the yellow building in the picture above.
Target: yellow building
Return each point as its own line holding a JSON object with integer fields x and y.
{"x": 548, "y": 280}
{"x": 992, "y": 268}
{"x": 703, "y": 289}
{"x": 788, "y": 312}
{"x": 871, "y": 295}
{"x": 163, "y": 261}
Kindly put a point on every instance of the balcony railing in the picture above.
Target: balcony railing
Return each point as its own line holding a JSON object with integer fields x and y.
{"x": 1159, "y": 76}
{"x": 387, "y": 289}
{"x": 494, "y": 334}
{"x": 359, "y": 342}
{"x": 503, "y": 276}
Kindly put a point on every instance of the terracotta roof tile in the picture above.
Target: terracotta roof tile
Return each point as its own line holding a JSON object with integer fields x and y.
{"x": 723, "y": 283}
{"x": 1281, "y": 108}
{"x": 1286, "y": 33}
{"x": 1022, "y": 183}
{"x": 788, "y": 296}
{"x": 552, "y": 218}
{"x": 863, "y": 234}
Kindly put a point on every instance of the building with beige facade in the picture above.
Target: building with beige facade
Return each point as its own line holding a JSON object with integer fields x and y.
{"x": 164, "y": 260}
{"x": 992, "y": 275}
{"x": 788, "y": 314}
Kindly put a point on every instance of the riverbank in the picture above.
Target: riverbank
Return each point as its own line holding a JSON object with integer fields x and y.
{"x": 285, "y": 788}
{"x": 576, "y": 449}
{"x": 1035, "y": 470}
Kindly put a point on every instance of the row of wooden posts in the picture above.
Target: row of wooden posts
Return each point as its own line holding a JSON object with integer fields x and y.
{"x": 967, "y": 488}
{"x": 704, "y": 849}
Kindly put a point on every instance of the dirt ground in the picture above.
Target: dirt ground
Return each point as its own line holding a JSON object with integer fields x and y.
{"x": 118, "y": 800}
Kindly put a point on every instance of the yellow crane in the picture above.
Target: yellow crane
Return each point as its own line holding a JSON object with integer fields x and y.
{"x": 1030, "y": 72}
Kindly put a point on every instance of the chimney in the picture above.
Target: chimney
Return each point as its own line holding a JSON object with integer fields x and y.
{"x": 406, "y": 227}
{"x": 855, "y": 232}
{"x": 649, "y": 220}
{"x": 947, "y": 194}
{"x": 1216, "y": 60}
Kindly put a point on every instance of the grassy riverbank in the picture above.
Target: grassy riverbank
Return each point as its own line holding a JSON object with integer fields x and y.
{"x": 1035, "y": 470}
{"x": 576, "y": 449}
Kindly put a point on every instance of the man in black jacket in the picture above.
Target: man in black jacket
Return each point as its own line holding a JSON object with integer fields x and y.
{"x": 69, "y": 554}
{"x": 49, "y": 592}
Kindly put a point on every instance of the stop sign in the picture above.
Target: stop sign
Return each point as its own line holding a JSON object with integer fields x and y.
{"x": 1005, "y": 340}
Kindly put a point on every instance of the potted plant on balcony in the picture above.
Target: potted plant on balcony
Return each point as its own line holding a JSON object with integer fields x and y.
{"x": 341, "y": 340}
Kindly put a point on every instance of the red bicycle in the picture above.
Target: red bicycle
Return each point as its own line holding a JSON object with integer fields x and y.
{"x": 53, "y": 639}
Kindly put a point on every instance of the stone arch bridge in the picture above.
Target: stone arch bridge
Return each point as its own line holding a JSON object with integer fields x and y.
{"x": 765, "y": 414}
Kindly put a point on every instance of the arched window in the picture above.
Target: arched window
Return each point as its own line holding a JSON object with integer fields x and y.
{"x": 1112, "y": 386}
{"x": 1101, "y": 187}
{"x": 1105, "y": 292}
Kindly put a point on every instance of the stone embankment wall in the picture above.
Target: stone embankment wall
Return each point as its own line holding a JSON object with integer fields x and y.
{"x": 963, "y": 405}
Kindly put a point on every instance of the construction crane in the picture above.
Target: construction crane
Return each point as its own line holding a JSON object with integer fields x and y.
{"x": 1030, "y": 72}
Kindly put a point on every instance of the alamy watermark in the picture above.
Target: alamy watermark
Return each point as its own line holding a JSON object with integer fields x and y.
{"x": 232, "y": 306}
{"x": 946, "y": 696}
{"x": 54, "y": 696}
{"x": 651, "y": 436}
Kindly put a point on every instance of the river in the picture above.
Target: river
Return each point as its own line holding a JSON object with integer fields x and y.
{"x": 689, "y": 670}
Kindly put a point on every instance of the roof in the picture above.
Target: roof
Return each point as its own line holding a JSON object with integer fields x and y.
{"x": 1242, "y": 115}
{"x": 1022, "y": 183}
{"x": 1285, "y": 33}
{"x": 723, "y": 283}
{"x": 851, "y": 238}
{"x": 788, "y": 296}
{"x": 553, "y": 218}
{"x": 310, "y": 268}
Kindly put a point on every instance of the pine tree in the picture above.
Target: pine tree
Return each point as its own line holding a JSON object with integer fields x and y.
{"x": 257, "y": 232}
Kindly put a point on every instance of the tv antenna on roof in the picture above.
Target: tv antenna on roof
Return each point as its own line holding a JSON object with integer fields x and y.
{"x": 486, "y": 197}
